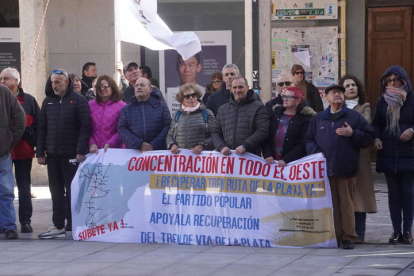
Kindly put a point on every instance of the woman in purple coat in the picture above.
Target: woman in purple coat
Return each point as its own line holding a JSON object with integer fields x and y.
{"x": 105, "y": 110}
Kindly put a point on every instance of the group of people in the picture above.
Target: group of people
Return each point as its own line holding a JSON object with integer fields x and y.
{"x": 232, "y": 120}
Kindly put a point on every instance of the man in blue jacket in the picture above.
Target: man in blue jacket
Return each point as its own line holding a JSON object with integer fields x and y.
{"x": 339, "y": 133}
{"x": 144, "y": 123}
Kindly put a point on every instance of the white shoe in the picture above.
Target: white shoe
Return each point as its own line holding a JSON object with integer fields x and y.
{"x": 53, "y": 232}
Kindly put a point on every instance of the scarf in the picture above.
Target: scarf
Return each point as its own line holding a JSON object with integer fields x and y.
{"x": 352, "y": 103}
{"x": 395, "y": 98}
{"x": 190, "y": 109}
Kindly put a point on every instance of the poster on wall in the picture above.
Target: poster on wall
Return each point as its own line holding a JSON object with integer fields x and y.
{"x": 127, "y": 196}
{"x": 216, "y": 51}
{"x": 315, "y": 48}
{"x": 10, "y": 48}
{"x": 304, "y": 9}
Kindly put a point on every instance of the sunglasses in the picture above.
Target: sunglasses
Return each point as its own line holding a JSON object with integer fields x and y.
{"x": 104, "y": 86}
{"x": 188, "y": 96}
{"x": 286, "y": 83}
{"x": 215, "y": 81}
{"x": 288, "y": 97}
{"x": 299, "y": 73}
{"x": 59, "y": 72}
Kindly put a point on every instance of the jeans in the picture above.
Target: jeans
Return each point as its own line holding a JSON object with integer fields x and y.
{"x": 401, "y": 199}
{"x": 22, "y": 169}
{"x": 7, "y": 214}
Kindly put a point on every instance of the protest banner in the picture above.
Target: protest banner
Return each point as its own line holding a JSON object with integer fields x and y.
{"x": 208, "y": 199}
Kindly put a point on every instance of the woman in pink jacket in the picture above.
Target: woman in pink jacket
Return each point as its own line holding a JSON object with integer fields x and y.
{"x": 105, "y": 110}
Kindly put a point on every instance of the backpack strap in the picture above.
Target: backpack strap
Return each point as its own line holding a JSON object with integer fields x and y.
{"x": 205, "y": 118}
{"x": 177, "y": 117}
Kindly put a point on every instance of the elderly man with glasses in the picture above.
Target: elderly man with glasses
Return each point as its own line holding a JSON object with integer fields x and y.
{"x": 339, "y": 133}
{"x": 63, "y": 137}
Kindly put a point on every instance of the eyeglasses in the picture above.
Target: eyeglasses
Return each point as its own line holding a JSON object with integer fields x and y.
{"x": 59, "y": 72}
{"x": 192, "y": 95}
{"x": 104, "y": 86}
{"x": 286, "y": 83}
{"x": 288, "y": 97}
{"x": 393, "y": 80}
{"x": 215, "y": 81}
{"x": 299, "y": 73}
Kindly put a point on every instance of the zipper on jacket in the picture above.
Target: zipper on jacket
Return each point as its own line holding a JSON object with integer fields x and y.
{"x": 57, "y": 128}
{"x": 143, "y": 116}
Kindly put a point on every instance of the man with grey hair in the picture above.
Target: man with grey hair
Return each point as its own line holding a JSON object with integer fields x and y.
{"x": 283, "y": 81}
{"x": 23, "y": 152}
{"x": 222, "y": 96}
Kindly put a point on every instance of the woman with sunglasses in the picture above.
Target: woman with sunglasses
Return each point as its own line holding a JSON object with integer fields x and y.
{"x": 105, "y": 110}
{"x": 309, "y": 90}
{"x": 364, "y": 195}
{"x": 394, "y": 127}
{"x": 215, "y": 85}
{"x": 192, "y": 123}
{"x": 288, "y": 127}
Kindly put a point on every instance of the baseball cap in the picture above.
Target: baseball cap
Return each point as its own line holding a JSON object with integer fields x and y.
{"x": 129, "y": 63}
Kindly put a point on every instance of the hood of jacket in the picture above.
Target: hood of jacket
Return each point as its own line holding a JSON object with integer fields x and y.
{"x": 49, "y": 90}
{"x": 302, "y": 108}
{"x": 401, "y": 73}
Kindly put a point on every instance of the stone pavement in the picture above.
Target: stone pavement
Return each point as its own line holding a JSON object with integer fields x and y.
{"x": 31, "y": 256}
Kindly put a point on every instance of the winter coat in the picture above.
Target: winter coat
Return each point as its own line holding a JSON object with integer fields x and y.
{"x": 144, "y": 122}
{"x": 341, "y": 153}
{"x": 12, "y": 120}
{"x": 396, "y": 156}
{"x": 364, "y": 195}
{"x": 64, "y": 124}
{"x": 191, "y": 130}
{"x": 86, "y": 92}
{"x": 244, "y": 123}
{"x": 104, "y": 121}
{"x": 294, "y": 143}
{"x": 217, "y": 99}
{"x": 25, "y": 148}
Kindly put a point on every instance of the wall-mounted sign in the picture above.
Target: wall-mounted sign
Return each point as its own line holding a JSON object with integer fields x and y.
{"x": 304, "y": 9}
{"x": 9, "y": 48}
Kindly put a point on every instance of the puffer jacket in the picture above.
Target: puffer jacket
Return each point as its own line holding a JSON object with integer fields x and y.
{"x": 244, "y": 123}
{"x": 104, "y": 120}
{"x": 191, "y": 130}
{"x": 25, "y": 148}
{"x": 64, "y": 124}
{"x": 396, "y": 156}
{"x": 294, "y": 143}
{"x": 144, "y": 122}
{"x": 12, "y": 120}
{"x": 341, "y": 153}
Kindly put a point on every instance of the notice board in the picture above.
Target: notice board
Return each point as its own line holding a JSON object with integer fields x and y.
{"x": 315, "y": 48}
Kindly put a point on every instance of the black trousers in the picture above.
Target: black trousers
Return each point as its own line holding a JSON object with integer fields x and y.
{"x": 401, "y": 199}
{"x": 61, "y": 173}
{"x": 22, "y": 169}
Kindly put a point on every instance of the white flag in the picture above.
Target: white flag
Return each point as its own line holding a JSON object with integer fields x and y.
{"x": 137, "y": 21}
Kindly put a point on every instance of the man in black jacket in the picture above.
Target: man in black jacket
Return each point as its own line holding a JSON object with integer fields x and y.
{"x": 243, "y": 123}
{"x": 63, "y": 135}
{"x": 221, "y": 97}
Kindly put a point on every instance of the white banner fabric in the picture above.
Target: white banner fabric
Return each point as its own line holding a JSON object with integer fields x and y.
{"x": 137, "y": 22}
{"x": 208, "y": 199}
